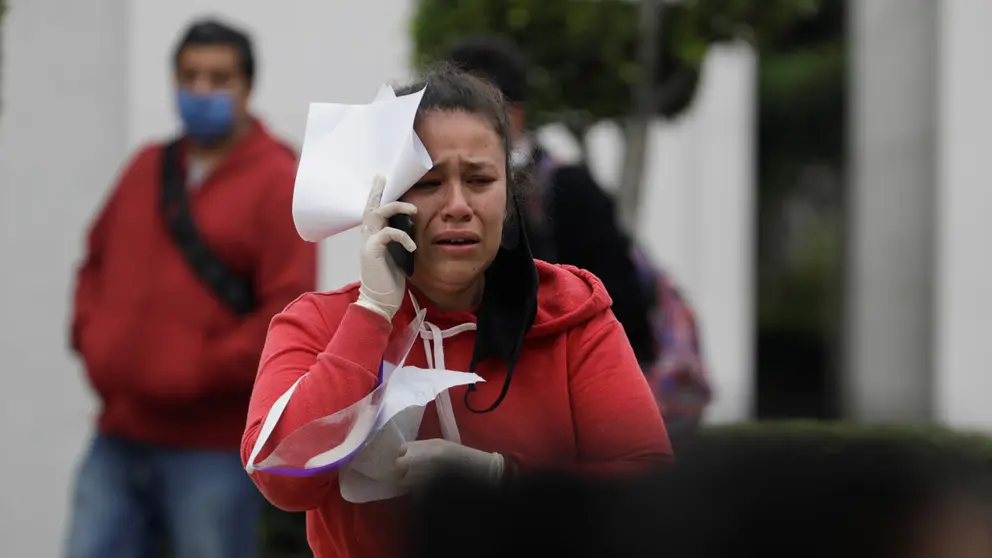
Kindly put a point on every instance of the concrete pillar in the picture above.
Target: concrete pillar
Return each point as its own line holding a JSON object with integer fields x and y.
{"x": 963, "y": 349}
{"x": 889, "y": 314}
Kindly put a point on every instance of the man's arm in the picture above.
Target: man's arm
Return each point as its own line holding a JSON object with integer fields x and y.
{"x": 588, "y": 237}
{"x": 87, "y": 292}
{"x": 88, "y": 279}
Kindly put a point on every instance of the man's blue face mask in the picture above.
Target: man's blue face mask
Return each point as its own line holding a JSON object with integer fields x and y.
{"x": 206, "y": 116}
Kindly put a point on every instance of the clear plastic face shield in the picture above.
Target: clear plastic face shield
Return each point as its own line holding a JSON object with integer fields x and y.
{"x": 328, "y": 442}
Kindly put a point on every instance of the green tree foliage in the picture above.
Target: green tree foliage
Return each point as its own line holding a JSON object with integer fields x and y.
{"x": 802, "y": 96}
{"x": 802, "y": 109}
{"x": 584, "y": 51}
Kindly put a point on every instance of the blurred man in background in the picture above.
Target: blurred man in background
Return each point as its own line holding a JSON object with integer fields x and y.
{"x": 193, "y": 253}
{"x": 571, "y": 220}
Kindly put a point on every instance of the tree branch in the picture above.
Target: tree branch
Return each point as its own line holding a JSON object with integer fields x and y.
{"x": 645, "y": 108}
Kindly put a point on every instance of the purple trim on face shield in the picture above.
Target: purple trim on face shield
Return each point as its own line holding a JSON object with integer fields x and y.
{"x": 305, "y": 472}
{"x": 308, "y": 472}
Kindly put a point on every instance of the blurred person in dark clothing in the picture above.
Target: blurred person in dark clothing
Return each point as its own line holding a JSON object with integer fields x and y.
{"x": 192, "y": 254}
{"x": 779, "y": 497}
{"x": 570, "y": 220}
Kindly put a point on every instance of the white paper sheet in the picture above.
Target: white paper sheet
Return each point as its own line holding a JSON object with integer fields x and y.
{"x": 323, "y": 443}
{"x": 344, "y": 148}
{"x": 371, "y": 474}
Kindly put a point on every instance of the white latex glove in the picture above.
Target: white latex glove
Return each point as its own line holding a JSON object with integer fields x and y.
{"x": 383, "y": 283}
{"x": 418, "y": 461}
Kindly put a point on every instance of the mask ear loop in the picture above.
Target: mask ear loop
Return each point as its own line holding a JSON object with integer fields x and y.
{"x": 499, "y": 399}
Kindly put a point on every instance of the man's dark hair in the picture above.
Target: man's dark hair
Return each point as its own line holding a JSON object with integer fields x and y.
{"x": 211, "y": 32}
{"x": 495, "y": 59}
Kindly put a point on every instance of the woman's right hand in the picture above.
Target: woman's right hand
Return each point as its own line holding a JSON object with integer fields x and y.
{"x": 383, "y": 284}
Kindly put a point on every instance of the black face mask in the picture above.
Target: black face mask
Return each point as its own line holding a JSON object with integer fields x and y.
{"x": 509, "y": 305}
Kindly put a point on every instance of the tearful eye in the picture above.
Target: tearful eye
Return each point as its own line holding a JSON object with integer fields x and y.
{"x": 481, "y": 180}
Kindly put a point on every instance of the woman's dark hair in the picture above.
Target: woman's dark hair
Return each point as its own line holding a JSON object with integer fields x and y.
{"x": 214, "y": 33}
{"x": 450, "y": 89}
{"x": 509, "y": 301}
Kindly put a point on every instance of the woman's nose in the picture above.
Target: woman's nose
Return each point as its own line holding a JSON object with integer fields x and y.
{"x": 455, "y": 203}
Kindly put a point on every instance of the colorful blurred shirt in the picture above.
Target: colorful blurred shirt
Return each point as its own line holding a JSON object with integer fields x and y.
{"x": 678, "y": 375}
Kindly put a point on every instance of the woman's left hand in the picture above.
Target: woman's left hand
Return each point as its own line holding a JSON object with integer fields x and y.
{"x": 420, "y": 460}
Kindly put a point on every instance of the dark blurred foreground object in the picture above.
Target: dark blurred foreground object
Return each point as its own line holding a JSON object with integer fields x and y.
{"x": 811, "y": 495}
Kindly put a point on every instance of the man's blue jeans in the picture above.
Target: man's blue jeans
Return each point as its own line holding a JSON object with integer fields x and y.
{"x": 131, "y": 498}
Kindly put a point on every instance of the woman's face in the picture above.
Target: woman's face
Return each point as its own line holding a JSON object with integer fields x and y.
{"x": 461, "y": 201}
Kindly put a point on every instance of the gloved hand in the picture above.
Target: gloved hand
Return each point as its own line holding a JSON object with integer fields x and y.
{"x": 383, "y": 283}
{"x": 418, "y": 461}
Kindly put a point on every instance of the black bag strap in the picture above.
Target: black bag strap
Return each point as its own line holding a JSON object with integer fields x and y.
{"x": 235, "y": 290}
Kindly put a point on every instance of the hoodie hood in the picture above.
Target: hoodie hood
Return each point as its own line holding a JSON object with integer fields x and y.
{"x": 566, "y": 297}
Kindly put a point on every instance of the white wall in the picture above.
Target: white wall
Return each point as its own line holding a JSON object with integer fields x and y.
{"x": 889, "y": 329}
{"x": 963, "y": 351}
{"x": 84, "y": 83}
{"x": 62, "y": 135}
{"x": 722, "y": 201}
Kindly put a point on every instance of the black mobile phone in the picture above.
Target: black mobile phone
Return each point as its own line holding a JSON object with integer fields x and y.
{"x": 400, "y": 255}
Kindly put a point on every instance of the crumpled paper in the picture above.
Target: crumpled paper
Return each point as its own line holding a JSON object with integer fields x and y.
{"x": 344, "y": 148}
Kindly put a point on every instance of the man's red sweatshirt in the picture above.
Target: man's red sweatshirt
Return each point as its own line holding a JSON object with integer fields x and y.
{"x": 171, "y": 363}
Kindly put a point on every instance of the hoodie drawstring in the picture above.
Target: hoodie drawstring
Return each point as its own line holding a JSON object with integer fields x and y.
{"x": 433, "y": 335}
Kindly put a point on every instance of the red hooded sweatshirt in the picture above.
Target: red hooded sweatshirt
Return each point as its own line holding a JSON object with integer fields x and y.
{"x": 171, "y": 363}
{"x": 577, "y": 399}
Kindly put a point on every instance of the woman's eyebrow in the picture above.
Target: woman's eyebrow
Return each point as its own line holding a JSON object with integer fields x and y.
{"x": 470, "y": 164}
{"x": 479, "y": 164}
